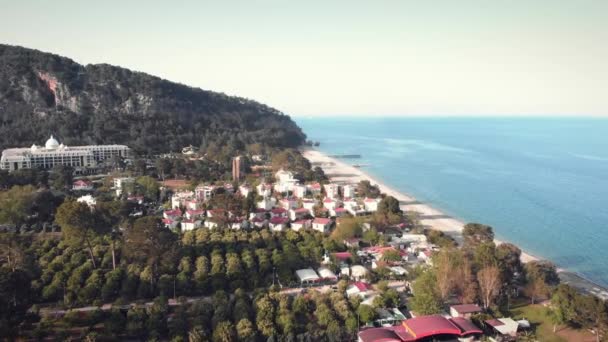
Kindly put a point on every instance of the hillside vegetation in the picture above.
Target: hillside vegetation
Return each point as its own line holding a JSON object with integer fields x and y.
{"x": 43, "y": 94}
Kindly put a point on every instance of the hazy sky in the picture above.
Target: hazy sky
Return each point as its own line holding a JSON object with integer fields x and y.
{"x": 423, "y": 57}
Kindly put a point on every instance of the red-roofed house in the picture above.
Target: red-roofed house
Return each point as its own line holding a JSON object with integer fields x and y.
{"x": 169, "y": 223}
{"x": 308, "y": 204}
{"x": 278, "y": 212}
{"x": 190, "y": 224}
{"x": 82, "y": 185}
{"x": 172, "y": 214}
{"x": 464, "y": 310}
{"x": 301, "y": 224}
{"x": 314, "y": 188}
{"x": 371, "y": 204}
{"x": 194, "y": 214}
{"x": 342, "y": 256}
{"x": 278, "y": 223}
{"x": 360, "y": 289}
{"x": 330, "y": 204}
{"x": 288, "y": 203}
{"x": 298, "y": 214}
{"x": 338, "y": 212}
{"x": 258, "y": 221}
{"x": 321, "y": 224}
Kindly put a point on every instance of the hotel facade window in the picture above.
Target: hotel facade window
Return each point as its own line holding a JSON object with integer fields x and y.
{"x": 54, "y": 154}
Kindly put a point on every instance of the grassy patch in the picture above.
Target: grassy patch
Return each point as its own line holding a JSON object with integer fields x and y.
{"x": 538, "y": 317}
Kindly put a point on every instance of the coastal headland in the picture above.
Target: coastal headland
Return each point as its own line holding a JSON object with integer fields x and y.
{"x": 342, "y": 173}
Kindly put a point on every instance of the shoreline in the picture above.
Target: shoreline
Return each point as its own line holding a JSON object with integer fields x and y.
{"x": 343, "y": 173}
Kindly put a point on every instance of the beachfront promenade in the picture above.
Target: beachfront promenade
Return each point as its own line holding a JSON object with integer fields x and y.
{"x": 343, "y": 173}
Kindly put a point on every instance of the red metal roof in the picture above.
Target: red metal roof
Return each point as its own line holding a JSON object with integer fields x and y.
{"x": 362, "y": 286}
{"x": 320, "y": 220}
{"x": 421, "y": 328}
{"x": 466, "y": 327}
{"x": 343, "y": 255}
{"x": 175, "y": 212}
{"x": 426, "y": 326}
{"x": 278, "y": 211}
{"x": 379, "y": 335}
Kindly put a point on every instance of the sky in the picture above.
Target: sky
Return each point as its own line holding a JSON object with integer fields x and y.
{"x": 320, "y": 57}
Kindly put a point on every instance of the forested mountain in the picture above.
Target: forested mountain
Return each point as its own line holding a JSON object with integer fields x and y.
{"x": 43, "y": 94}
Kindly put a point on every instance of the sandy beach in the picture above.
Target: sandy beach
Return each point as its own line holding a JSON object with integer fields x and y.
{"x": 343, "y": 173}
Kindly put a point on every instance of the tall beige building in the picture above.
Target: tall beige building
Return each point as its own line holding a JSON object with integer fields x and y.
{"x": 237, "y": 168}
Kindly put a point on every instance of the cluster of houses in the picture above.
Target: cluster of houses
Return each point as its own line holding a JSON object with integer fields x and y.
{"x": 453, "y": 326}
{"x": 286, "y": 203}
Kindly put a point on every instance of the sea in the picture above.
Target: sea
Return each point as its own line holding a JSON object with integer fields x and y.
{"x": 541, "y": 183}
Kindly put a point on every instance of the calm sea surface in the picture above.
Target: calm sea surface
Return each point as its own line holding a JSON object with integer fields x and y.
{"x": 541, "y": 183}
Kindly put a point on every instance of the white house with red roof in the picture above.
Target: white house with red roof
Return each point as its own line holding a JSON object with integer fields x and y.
{"x": 464, "y": 310}
{"x": 170, "y": 223}
{"x": 82, "y": 185}
{"x": 321, "y": 224}
{"x": 259, "y": 222}
{"x": 371, "y": 204}
{"x": 360, "y": 289}
{"x": 330, "y": 204}
{"x": 298, "y": 214}
{"x": 172, "y": 214}
{"x": 332, "y": 190}
{"x": 278, "y": 223}
{"x": 308, "y": 204}
{"x": 301, "y": 224}
{"x": 288, "y": 203}
{"x": 192, "y": 204}
{"x": 192, "y": 214}
{"x": 338, "y": 212}
{"x": 314, "y": 188}
{"x": 278, "y": 212}
{"x": 191, "y": 224}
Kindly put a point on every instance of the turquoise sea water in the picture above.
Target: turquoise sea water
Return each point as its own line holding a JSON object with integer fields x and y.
{"x": 541, "y": 183}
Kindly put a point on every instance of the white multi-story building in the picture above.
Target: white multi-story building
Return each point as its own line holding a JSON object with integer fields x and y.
{"x": 53, "y": 154}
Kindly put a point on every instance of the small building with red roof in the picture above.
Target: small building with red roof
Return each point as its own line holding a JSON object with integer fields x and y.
{"x": 421, "y": 329}
{"x": 278, "y": 212}
{"x": 82, "y": 185}
{"x": 321, "y": 224}
{"x": 172, "y": 214}
{"x": 360, "y": 289}
{"x": 298, "y": 214}
{"x": 464, "y": 310}
{"x": 194, "y": 214}
{"x": 301, "y": 224}
{"x": 278, "y": 223}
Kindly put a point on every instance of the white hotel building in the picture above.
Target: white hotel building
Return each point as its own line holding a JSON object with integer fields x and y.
{"x": 53, "y": 154}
